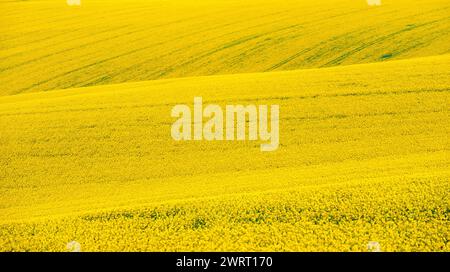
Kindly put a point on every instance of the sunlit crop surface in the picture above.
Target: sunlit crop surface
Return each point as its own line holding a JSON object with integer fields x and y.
{"x": 86, "y": 153}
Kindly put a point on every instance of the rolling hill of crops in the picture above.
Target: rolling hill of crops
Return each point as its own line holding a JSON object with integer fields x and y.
{"x": 364, "y": 156}
{"x": 47, "y": 45}
{"x": 87, "y": 157}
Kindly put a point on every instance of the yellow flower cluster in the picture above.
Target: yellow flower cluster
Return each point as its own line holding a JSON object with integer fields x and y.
{"x": 335, "y": 217}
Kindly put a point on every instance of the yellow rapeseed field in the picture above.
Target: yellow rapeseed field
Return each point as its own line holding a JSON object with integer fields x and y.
{"x": 364, "y": 155}
{"x": 47, "y": 45}
{"x": 86, "y": 154}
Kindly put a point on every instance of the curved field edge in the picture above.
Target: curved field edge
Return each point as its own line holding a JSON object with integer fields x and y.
{"x": 47, "y": 45}
{"x": 363, "y": 157}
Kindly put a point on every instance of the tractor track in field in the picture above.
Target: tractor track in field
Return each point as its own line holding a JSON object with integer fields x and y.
{"x": 220, "y": 56}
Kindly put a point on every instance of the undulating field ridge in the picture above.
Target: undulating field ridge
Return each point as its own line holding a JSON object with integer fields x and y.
{"x": 47, "y": 45}
{"x": 364, "y": 156}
